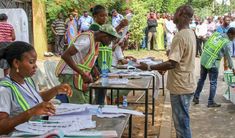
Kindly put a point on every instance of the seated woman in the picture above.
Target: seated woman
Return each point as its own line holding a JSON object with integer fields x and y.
{"x": 19, "y": 100}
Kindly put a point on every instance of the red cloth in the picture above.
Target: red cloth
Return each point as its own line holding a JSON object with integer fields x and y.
{"x": 6, "y": 32}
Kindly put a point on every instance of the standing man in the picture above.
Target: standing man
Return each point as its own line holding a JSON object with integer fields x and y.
{"x": 211, "y": 27}
{"x": 170, "y": 31}
{"x": 116, "y": 18}
{"x": 152, "y": 24}
{"x": 84, "y": 22}
{"x": 223, "y": 28}
{"x": 217, "y": 46}
{"x": 181, "y": 76}
{"x": 7, "y": 35}
{"x": 58, "y": 28}
{"x": 201, "y": 31}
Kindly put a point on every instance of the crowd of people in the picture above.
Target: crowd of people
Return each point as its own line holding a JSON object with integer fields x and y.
{"x": 94, "y": 45}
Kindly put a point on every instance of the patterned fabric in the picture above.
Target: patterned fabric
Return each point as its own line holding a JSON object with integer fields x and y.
{"x": 6, "y": 32}
{"x": 109, "y": 29}
{"x": 59, "y": 26}
{"x": 86, "y": 65}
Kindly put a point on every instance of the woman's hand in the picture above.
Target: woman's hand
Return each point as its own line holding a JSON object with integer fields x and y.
{"x": 64, "y": 89}
{"x": 44, "y": 108}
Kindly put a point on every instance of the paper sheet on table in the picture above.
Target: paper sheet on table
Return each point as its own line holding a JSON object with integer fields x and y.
{"x": 70, "y": 109}
{"x": 71, "y": 124}
{"x": 110, "y": 109}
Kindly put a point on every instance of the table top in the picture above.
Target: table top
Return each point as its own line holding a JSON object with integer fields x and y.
{"x": 118, "y": 124}
{"x": 141, "y": 83}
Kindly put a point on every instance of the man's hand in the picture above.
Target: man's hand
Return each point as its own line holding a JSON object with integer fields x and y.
{"x": 86, "y": 77}
{"x": 143, "y": 66}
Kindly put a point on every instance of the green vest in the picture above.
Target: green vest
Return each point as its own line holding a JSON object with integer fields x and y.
{"x": 19, "y": 97}
{"x": 105, "y": 55}
{"x": 212, "y": 48}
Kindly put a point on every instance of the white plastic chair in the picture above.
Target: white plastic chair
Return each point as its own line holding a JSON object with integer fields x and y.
{"x": 50, "y": 67}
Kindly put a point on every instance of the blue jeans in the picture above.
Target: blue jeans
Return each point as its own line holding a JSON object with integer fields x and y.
{"x": 213, "y": 75}
{"x": 180, "y": 112}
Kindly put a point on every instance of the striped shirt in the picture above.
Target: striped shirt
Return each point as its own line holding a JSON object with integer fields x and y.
{"x": 59, "y": 26}
{"x": 6, "y": 30}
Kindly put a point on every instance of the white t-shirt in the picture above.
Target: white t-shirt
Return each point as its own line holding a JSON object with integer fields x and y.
{"x": 82, "y": 44}
{"x": 117, "y": 55}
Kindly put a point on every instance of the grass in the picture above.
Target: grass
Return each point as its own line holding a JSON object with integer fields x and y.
{"x": 145, "y": 53}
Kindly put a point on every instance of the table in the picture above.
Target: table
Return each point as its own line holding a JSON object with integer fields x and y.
{"x": 103, "y": 124}
{"x": 117, "y": 124}
{"x": 142, "y": 84}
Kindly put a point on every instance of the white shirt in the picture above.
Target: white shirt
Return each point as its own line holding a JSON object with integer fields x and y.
{"x": 117, "y": 55}
{"x": 170, "y": 26}
{"x": 82, "y": 44}
{"x": 201, "y": 30}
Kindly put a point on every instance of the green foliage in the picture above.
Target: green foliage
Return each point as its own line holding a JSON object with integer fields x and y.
{"x": 138, "y": 21}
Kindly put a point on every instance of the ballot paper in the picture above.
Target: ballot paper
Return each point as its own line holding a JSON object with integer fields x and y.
{"x": 67, "y": 124}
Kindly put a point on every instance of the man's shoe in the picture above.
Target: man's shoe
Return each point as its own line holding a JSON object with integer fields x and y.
{"x": 213, "y": 105}
{"x": 196, "y": 100}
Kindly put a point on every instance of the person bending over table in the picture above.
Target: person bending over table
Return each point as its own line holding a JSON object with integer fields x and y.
{"x": 19, "y": 98}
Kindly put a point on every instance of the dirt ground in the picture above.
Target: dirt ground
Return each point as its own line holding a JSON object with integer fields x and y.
{"x": 138, "y": 122}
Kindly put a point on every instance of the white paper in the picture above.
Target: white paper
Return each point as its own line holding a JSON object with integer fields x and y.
{"x": 66, "y": 124}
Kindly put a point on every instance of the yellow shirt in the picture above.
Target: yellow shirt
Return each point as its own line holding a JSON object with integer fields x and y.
{"x": 181, "y": 80}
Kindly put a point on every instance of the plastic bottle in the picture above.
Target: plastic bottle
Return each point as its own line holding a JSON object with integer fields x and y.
{"x": 124, "y": 102}
{"x": 104, "y": 75}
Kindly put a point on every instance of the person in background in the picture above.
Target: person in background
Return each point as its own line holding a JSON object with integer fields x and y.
{"x": 219, "y": 45}
{"x": 79, "y": 59}
{"x": 223, "y": 28}
{"x": 232, "y": 24}
{"x": 201, "y": 31}
{"x": 170, "y": 31}
{"x": 152, "y": 24}
{"x": 71, "y": 29}
{"x": 58, "y": 28}
{"x": 84, "y": 22}
{"x": 20, "y": 101}
{"x": 160, "y": 32}
{"x": 7, "y": 35}
{"x": 181, "y": 65}
{"x": 211, "y": 27}
{"x": 116, "y": 18}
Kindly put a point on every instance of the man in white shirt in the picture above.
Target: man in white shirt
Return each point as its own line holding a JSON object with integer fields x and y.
{"x": 201, "y": 31}
{"x": 170, "y": 31}
{"x": 84, "y": 22}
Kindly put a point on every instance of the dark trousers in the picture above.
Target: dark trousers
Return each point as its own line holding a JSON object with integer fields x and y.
{"x": 213, "y": 75}
{"x": 59, "y": 44}
{"x": 200, "y": 41}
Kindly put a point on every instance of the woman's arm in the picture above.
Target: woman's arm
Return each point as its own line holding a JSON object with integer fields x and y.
{"x": 51, "y": 93}
{"x": 8, "y": 124}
